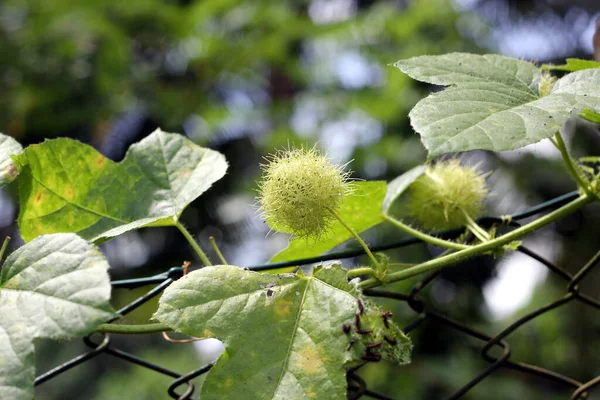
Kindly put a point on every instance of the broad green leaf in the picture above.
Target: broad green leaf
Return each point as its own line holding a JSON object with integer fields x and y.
{"x": 57, "y": 287}
{"x": 361, "y": 210}
{"x": 493, "y": 102}
{"x": 396, "y": 187}
{"x": 8, "y": 170}
{"x": 462, "y": 68}
{"x": 590, "y": 116}
{"x": 283, "y": 334}
{"x": 66, "y": 186}
{"x": 572, "y": 65}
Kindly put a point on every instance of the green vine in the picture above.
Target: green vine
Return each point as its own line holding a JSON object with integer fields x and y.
{"x": 571, "y": 166}
{"x": 482, "y": 248}
{"x": 423, "y": 236}
{"x": 133, "y": 329}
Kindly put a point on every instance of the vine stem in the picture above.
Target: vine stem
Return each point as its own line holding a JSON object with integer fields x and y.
{"x": 402, "y": 265}
{"x": 194, "y": 244}
{"x": 133, "y": 329}
{"x": 571, "y": 167}
{"x": 475, "y": 229}
{"x": 423, "y": 236}
{"x": 481, "y": 248}
{"x": 4, "y": 246}
{"x": 354, "y": 272}
{"x": 217, "y": 250}
{"x": 356, "y": 236}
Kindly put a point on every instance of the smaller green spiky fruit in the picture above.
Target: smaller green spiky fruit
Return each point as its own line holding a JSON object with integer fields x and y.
{"x": 300, "y": 191}
{"x": 547, "y": 83}
{"x": 446, "y": 195}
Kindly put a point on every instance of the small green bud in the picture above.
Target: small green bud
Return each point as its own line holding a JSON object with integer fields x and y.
{"x": 299, "y": 191}
{"x": 546, "y": 83}
{"x": 447, "y": 191}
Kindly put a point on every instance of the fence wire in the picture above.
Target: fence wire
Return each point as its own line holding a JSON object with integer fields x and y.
{"x": 182, "y": 386}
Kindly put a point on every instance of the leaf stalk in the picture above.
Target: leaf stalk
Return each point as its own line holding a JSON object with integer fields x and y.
{"x": 423, "y": 236}
{"x": 193, "y": 243}
{"x": 356, "y": 236}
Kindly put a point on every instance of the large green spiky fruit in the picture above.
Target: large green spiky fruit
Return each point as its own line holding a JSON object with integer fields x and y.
{"x": 301, "y": 191}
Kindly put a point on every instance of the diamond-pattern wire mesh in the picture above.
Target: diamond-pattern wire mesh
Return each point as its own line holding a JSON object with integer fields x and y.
{"x": 182, "y": 386}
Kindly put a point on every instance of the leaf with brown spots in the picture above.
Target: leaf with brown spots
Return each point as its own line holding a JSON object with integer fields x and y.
{"x": 67, "y": 186}
{"x": 283, "y": 334}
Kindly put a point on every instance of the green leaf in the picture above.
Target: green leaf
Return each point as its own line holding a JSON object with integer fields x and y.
{"x": 493, "y": 103}
{"x": 57, "y": 287}
{"x": 462, "y": 68}
{"x": 572, "y": 65}
{"x": 396, "y": 187}
{"x": 591, "y": 116}
{"x": 283, "y": 334}
{"x": 66, "y": 186}
{"x": 8, "y": 170}
{"x": 361, "y": 210}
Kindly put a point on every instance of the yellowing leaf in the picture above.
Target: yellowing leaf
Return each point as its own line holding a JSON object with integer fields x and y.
{"x": 284, "y": 335}
{"x": 66, "y": 186}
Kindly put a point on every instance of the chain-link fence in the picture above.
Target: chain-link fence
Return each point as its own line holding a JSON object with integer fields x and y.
{"x": 183, "y": 388}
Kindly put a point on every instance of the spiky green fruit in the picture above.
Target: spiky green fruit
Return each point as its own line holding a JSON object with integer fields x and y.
{"x": 547, "y": 83}
{"x": 446, "y": 194}
{"x": 300, "y": 190}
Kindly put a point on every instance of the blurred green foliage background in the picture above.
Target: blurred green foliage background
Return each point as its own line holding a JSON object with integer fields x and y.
{"x": 248, "y": 77}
